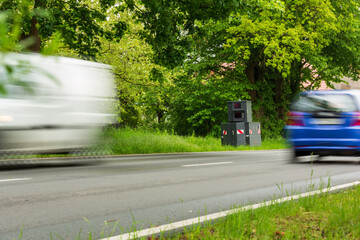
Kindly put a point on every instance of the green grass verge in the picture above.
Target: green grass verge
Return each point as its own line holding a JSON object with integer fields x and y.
{"x": 326, "y": 216}
{"x": 130, "y": 141}
{"x": 140, "y": 141}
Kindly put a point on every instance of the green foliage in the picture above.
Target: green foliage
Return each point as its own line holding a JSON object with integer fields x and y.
{"x": 9, "y": 38}
{"x": 11, "y": 72}
{"x": 81, "y": 26}
{"x": 141, "y": 84}
{"x": 199, "y": 105}
{"x": 138, "y": 141}
{"x": 168, "y": 25}
{"x": 272, "y": 49}
{"x": 263, "y": 51}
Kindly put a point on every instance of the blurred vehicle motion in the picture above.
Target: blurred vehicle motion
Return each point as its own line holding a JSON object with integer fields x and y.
{"x": 53, "y": 104}
{"x": 325, "y": 123}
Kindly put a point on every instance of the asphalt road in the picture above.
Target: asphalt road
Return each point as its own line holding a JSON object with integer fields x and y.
{"x": 135, "y": 192}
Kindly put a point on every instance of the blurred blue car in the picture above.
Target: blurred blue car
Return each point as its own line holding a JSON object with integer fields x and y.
{"x": 324, "y": 123}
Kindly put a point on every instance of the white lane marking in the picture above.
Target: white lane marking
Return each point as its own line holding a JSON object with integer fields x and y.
{"x": 205, "y": 164}
{"x": 192, "y": 221}
{"x": 14, "y": 179}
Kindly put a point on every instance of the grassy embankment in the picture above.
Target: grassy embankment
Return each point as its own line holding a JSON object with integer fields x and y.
{"x": 130, "y": 141}
{"x": 326, "y": 216}
{"x": 140, "y": 141}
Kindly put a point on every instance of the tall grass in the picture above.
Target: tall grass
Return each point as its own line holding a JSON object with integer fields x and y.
{"x": 327, "y": 216}
{"x": 142, "y": 141}
{"x": 139, "y": 141}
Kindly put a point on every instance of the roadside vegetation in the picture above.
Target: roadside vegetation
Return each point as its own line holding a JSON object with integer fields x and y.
{"x": 176, "y": 64}
{"x": 117, "y": 141}
{"x": 140, "y": 141}
{"x": 325, "y": 216}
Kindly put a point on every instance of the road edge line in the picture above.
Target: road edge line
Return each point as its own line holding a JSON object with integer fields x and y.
{"x": 14, "y": 179}
{"x": 214, "y": 216}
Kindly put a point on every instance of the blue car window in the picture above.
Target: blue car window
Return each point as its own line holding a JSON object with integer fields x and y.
{"x": 324, "y": 102}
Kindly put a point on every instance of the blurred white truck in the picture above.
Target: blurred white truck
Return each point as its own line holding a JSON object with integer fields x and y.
{"x": 53, "y": 104}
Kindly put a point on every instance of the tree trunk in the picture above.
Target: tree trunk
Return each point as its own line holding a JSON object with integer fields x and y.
{"x": 255, "y": 74}
{"x": 250, "y": 74}
{"x": 34, "y": 31}
{"x": 296, "y": 78}
{"x": 279, "y": 92}
{"x": 160, "y": 116}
